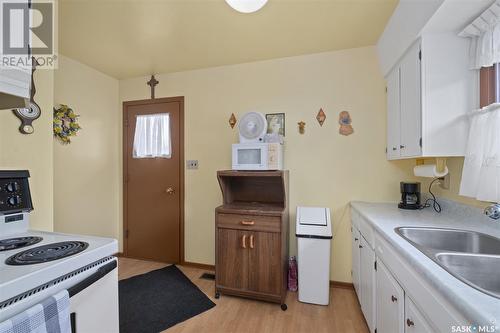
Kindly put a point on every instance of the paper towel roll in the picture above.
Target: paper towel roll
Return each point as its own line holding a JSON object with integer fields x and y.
{"x": 429, "y": 170}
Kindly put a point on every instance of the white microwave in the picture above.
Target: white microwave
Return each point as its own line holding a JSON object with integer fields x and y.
{"x": 257, "y": 156}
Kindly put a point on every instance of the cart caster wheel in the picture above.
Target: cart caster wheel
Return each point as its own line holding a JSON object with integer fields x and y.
{"x": 284, "y": 307}
{"x": 217, "y": 295}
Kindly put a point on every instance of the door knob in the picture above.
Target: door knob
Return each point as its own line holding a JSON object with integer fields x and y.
{"x": 394, "y": 299}
{"x": 170, "y": 190}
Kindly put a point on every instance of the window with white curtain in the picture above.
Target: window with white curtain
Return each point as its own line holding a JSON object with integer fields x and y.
{"x": 481, "y": 171}
{"x": 152, "y": 136}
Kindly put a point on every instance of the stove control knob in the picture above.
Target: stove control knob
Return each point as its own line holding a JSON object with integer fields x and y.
{"x": 12, "y": 187}
{"x": 14, "y": 201}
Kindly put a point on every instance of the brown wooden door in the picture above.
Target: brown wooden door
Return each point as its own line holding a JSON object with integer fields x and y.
{"x": 265, "y": 269}
{"x": 232, "y": 252}
{"x": 153, "y": 188}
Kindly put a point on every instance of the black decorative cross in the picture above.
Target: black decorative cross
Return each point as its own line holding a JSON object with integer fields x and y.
{"x": 152, "y": 83}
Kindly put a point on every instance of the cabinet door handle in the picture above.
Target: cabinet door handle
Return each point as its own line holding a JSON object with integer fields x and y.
{"x": 394, "y": 148}
{"x": 244, "y": 241}
{"x": 360, "y": 246}
{"x": 394, "y": 299}
{"x": 409, "y": 322}
{"x": 402, "y": 146}
{"x": 248, "y": 222}
{"x": 251, "y": 242}
{"x": 356, "y": 239}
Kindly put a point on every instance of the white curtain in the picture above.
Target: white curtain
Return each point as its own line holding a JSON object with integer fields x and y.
{"x": 152, "y": 136}
{"x": 484, "y": 33}
{"x": 481, "y": 172}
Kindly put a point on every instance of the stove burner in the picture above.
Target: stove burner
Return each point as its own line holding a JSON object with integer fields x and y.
{"x": 45, "y": 253}
{"x": 18, "y": 242}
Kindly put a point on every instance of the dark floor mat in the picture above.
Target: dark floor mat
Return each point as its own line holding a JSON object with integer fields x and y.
{"x": 157, "y": 300}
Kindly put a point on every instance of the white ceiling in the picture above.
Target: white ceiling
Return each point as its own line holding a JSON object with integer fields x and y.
{"x": 129, "y": 38}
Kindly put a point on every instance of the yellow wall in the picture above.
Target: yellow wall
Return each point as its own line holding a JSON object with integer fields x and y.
{"x": 86, "y": 182}
{"x": 34, "y": 151}
{"x": 326, "y": 169}
{"x": 82, "y": 181}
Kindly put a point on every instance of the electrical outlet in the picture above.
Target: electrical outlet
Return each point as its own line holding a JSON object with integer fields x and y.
{"x": 192, "y": 164}
{"x": 444, "y": 182}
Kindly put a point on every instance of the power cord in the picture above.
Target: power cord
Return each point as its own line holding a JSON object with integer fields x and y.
{"x": 432, "y": 202}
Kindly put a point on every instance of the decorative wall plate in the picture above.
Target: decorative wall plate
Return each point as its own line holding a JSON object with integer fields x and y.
{"x": 28, "y": 114}
{"x": 65, "y": 123}
{"x": 232, "y": 120}
{"x": 302, "y": 127}
{"x": 345, "y": 123}
{"x": 321, "y": 117}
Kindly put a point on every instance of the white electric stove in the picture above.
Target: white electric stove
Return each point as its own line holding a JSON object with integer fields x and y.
{"x": 35, "y": 264}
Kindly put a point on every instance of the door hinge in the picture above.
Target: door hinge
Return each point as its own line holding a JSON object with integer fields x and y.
{"x": 375, "y": 265}
{"x": 386, "y": 89}
{"x": 420, "y": 142}
{"x": 126, "y": 233}
{"x": 386, "y": 150}
{"x": 420, "y": 55}
{"x": 125, "y": 122}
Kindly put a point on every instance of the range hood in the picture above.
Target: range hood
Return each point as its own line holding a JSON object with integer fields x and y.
{"x": 15, "y": 87}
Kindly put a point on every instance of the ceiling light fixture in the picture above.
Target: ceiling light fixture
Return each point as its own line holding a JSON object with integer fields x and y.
{"x": 246, "y": 6}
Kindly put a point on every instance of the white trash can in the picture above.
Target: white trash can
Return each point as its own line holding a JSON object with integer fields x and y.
{"x": 314, "y": 237}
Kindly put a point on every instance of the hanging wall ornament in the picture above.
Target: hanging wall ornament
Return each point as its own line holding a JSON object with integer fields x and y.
{"x": 345, "y": 123}
{"x": 302, "y": 127}
{"x": 65, "y": 123}
{"x": 232, "y": 120}
{"x": 321, "y": 117}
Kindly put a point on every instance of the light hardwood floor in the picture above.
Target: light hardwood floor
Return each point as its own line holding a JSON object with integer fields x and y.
{"x": 234, "y": 314}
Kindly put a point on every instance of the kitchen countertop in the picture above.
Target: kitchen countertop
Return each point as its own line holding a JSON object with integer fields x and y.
{"x": 475, "y": 306}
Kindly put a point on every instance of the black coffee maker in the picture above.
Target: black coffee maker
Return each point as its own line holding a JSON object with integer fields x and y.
{"x": 410, "y": 196}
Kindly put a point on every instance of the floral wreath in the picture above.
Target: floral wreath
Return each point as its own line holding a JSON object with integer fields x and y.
{"x": 65, "y": 123}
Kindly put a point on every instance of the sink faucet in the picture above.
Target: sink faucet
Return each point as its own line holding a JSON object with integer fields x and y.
{"x": 493, "y": 211}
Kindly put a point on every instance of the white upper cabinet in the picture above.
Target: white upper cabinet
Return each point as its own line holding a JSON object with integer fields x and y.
{"x": 393, "y": 115}
{"x": 429, "y": 92}
{"x": 410, "y": 109}
{"x": 15, "y": 82}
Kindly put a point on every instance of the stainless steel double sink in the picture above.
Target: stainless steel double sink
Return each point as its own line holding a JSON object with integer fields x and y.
{"x": 472, "y": 257}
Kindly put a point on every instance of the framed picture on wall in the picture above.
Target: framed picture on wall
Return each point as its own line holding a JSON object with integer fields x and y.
{"x": 276, "y": 123}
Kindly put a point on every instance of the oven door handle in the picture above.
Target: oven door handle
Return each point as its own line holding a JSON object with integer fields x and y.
{"x": 101, "y": 272}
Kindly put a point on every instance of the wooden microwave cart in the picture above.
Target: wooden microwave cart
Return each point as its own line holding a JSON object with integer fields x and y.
{"x": 251, "y": 235}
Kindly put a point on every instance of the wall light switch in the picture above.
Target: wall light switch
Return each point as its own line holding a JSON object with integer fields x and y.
{"x": 192, "y": 164}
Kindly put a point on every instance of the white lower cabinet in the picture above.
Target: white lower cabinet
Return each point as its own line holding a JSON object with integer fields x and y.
{"x": 384, "y": 303}
{"x": 355, "y": 259}
{"x": 415, "y": 321}
{"x": 390, "y": 304}
{"x": 367, "y": 283}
